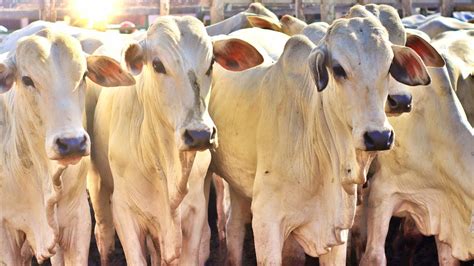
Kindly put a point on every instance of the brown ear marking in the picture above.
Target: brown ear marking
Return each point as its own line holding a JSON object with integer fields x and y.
{"x": 107, "y": 72}
{"x": 7, "y": 78}
{"x": 236, "y": 55}
{"x": 408, "y": 68}
{"x": 134, "y": 58}
{"x": 428, "y": 53}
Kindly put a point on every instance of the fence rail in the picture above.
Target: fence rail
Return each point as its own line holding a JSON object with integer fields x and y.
{"x": 50, "y": 9}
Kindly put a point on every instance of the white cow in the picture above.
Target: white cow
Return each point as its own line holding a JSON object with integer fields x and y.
{"x": 146, "y": 136}
{"x": 322, "y": 108}
{"x": 90, "y": 39}
{"x": 44, "y": 208}
{"x": 457, "y": 47}
{"x": 244, "y": 19}
{"x": 441, "y": 24}
{"x": 427, "y": 176}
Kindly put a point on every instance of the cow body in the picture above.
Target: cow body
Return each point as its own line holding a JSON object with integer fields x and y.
{"x": 146, "y": 138}
{"x": 241, "y": 20}
{"x": 44, "y": 206}
{"x": 457, "y": 47}
{"x": 256, "y": 146}
{"x": 432, "y": 184}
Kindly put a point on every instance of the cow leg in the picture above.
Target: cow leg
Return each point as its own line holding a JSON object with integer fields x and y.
{"x": 11, "y": 242}
{"x": 130, "y": 235}
{"x": 26, "y": 254}
{"x": 444, "y": 254}
{"x": 221, "y": 217}
{"x": 194, "y": 219}
{"x": 378, "y": 220}
{"x": 100, "y": 193}
{"x": 337, "y": 256}
{"x": 267, "y": 229}
{"x": 58, "y": 258}
{"x": 154, "y": 252}
{"x": 77, "y": 250}
{"x": 238, "y": 217}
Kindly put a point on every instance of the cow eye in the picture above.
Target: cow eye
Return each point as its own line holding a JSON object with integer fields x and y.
{"x": 339, "y": 71}
{"x": 27, "y": 81}
{"x": 208, "y": 72}
{"x": 158, "y": 66}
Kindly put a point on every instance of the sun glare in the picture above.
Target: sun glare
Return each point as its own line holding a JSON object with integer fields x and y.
{"x": 95, "y": 11}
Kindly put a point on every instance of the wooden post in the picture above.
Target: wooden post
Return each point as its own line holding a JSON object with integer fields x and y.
{"x": 299, "y": 12}
{"x": 217, "y": 11}
{"x": 42, "y": 9}
{"x": 447, "y": 8}
{"x": 328, "y": 11}
{"x": 52, "y": 11}
{"x": 164, "y": 7}
{"x": 407, "y": 8}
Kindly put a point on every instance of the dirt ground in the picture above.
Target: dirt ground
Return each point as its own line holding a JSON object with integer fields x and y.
{"x": 397, "y": 248}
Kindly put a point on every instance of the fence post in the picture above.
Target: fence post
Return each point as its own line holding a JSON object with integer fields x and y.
{"x": 217, "y": 11}
{"x": 407, "y": 8}
{"x": 328, "y": 12}
{"x": 42, "y": 9}
{"x": 164, "y": 7}
{"x": 52, "y": 11}
{"x": 447, "y": 8}
{"x": 299, "y": 12}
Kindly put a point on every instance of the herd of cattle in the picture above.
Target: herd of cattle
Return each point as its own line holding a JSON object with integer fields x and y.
{"x": 293, "y": 117}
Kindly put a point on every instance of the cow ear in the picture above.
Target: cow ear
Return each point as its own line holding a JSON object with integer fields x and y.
{"x": 407, "y": 67}
{"x": 7, "y": 74}
{"x": 236, "y": 55}
{"x": 317, "y": 65}
{"x": 263, "y": 23}
{"x": 134, "y": 58}
{"x": 107, "y": 72}
{"x": 428, "y": 54}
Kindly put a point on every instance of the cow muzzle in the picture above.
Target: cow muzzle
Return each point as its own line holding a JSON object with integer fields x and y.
{"x": 199, "y": 139}
{"x": 376, "y": 140}
{"x": 398, "y": 104}
{"x": 67, "y": 149}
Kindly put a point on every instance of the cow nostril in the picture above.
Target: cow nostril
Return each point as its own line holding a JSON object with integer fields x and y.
{"x": 392, "y": 102}
{"x": 62, "y": 146}
{"x": 213, "y": 134}
{"x": 368, "y": 140}
{"x": 83, "y": 143}
{"x": 188, "y": 139}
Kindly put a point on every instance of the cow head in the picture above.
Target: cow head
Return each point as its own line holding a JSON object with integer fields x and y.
{"x": 399, "y": 99}
{"x": 49, "y": 73}
{"x": 360, "y": 76}
{"x": 175, "y": 63}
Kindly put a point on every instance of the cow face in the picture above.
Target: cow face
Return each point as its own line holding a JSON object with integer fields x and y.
{"x": 50, "y": 72}
{"x": 400, "y": 99}
{"x": 175, "y": 63}
{"x": 358, "y": 59}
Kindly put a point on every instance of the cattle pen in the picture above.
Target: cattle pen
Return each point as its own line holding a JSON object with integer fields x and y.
{"x": 237, "y": 132}
{"x": 25, "y": 11}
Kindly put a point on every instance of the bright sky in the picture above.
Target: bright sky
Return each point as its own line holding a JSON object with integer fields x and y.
{"x": 95, "y": 10}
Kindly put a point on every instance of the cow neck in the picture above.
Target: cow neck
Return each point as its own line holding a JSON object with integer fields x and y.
{"x": 26, "y": 151}
{"x": 157, "y": 145}
{"x": 333, "y": 137}
{"x": 322, "y": 145}
{"x": 445, "y": 133}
